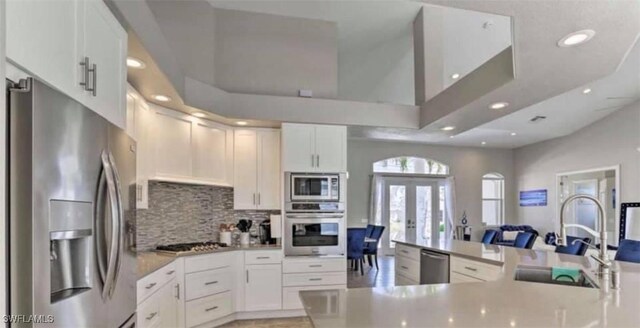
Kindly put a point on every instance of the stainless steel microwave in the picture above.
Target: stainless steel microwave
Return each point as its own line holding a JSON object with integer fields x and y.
{"x": 315, "y": 187}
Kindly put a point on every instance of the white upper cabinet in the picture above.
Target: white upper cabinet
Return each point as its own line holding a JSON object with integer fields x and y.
{"x": 49, "y": 40}
{"x": 42, "y": 38}
{"x": 331, "y": 148}
{"x": 104, "y": 43}
{"x": 172, "y": 139}
{"x": 212, "y": 152}
{"x": 257, "y": 169}
{"x": 314, "y": 148}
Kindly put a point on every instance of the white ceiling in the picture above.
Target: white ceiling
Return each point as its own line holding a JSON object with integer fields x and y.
{"x": 566, "y": 113}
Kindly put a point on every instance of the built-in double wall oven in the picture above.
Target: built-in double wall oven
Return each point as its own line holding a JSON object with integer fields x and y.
{"x": 315, "y": 214}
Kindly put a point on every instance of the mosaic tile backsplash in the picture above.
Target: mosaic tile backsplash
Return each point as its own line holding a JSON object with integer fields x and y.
{"x": 181, "y": 213}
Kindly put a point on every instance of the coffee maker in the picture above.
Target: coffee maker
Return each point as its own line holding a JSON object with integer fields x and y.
{"x": 264, "y": 233}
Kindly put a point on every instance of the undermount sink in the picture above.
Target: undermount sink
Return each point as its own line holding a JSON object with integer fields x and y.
{"x": 543, "y": 275}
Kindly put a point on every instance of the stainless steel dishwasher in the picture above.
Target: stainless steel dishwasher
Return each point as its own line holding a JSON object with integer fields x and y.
{"x": 434, "y": 267}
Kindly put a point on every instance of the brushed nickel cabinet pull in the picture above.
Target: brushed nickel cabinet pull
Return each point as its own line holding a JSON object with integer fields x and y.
{"x": 315, "y": 279}
{"x": 151, "y": 316}
{"x": 171, "y": 272}
{"x": 471, "y": 269}
{"x": 404, "y": 267}
{"x": 263, "y": 257}
{"x": 85, "y": 73}
{"x": 211, "y": 309}
{"x": 315, "y": 266}
{"x": 210, "y": 283}
{"x": 151, "y": 285}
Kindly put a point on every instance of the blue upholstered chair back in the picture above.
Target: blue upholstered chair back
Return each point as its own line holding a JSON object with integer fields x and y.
{"x": 355, "y": 243}
{"x": 369, "y": 231}
{"x": 489, "y": 237}
{"x": 372, "y": 247}
{"x": 574, "y": 247}
{"x": 524, "y": 240}
{"x": 629, "y": 251}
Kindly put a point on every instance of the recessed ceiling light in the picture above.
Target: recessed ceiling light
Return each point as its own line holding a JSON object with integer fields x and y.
{"x": 135, "y": 63}
{"x": 586, "y": 91}
{"x": 199, "y": 114}
{"x": 484, "y": 143}
{"x": 514, "y": 134}
{"x": 162, "y": 98}
{"x": 576, "y": 38}
{"x": 499, "y": 105}
{"x": 448, "y": 128}
{"x": 451, "y": 137}
{"x": 241, "y": 123}
{"x": 455, "y": 76}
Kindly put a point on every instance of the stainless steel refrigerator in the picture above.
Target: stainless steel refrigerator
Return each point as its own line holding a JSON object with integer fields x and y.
{"x": 71, "y": 208}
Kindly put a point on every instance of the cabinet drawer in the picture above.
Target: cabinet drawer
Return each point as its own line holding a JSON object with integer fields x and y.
{"x": 208, "y": 308}
{"x": 456, "y": 278}
{"x": 208, "y": 262}
{"x": 324, "y": 265}
{"x": 149, "y": 313}
{"x": 314, "y": 279}
{"x": 408, "y": 252}
{"x": 206, "y": 283}
{"x": 291, "y": 296}
{"x": 404, "y": 281}
{"x": 408, "y": 268}
{"x": 262, "y": 257}
{"x": 152, "y": 282}
{"x": 482, "y": 271}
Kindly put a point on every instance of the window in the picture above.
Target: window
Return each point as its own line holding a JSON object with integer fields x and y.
{"x": 407, "y": 164}
{"x": 493, "y": 199}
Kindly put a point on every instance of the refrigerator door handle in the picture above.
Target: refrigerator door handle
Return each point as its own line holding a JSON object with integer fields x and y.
{"x": 113, "y": 246}
{"x": 120, "y": 218}
{"x": 100, "y": 239}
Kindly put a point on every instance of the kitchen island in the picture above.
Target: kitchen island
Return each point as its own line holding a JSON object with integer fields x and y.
{"x": 502, "y": 302}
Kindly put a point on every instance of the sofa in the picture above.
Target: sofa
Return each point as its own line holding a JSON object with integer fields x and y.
{"x": 515, "y": 228}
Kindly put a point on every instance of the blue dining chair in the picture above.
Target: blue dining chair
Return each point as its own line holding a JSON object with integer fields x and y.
{"x": 371, "y": 248}
{"x": 575, "y": 246}
{"x": 524, "y": 240}
{"x": 489, "y": 237}
{"x": 628, "y": 251}
{"x": 355, "y": 247}
{"x": 369, "y": 231}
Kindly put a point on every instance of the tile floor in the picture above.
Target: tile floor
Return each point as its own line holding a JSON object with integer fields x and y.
{"x": 296, "y": 322}
{"x": 385, "y": 277}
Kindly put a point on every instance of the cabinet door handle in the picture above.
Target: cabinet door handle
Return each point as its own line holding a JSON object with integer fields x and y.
{"x": 151, "y": 315}
{"x": 247, "y": 275}
{"x": 313, "y": 163}
{"x": 403, "y": 251}
{"x": 315, "y": 279}
{"x": 254, "y": 198}
{"x": 151, "y": 285}
{"x": 210, "y": 309}
{"x": 471, "y": 269}
{"x": 85, "y": 73}
{"x": 317, "y": 160}
{"x": 177, "y": 291}
{"x": 210, "y": 283}
{"x": 170, "y": 272}
{"x": 315, "y": 266}
{"x": 404, "y": 267}
{"x": 258, "y": 198}
{"x": 263, "y": 257}
{"x": 94, "y": 87}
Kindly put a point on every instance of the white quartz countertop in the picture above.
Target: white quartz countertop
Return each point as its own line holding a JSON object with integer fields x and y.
{"x": 501, "y": 303}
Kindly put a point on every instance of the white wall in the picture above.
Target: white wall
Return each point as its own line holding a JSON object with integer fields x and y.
{"x": 468, "y": 165}
{"x": 611, "y": 141}
{"x": 275, "y": 55}
{"x": 383, "y": 73}
{"x": 3, "y": 160}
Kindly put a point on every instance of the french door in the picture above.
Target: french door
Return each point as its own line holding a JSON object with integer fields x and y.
{"x": 412, "y": 211}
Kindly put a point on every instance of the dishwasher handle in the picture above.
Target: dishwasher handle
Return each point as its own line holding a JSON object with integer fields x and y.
{"x": 435, "y": 256}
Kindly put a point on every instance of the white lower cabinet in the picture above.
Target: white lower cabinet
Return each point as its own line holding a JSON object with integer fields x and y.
{"x": 161, "y": 308}
{"x": 263, "y": 288}
{"x": 466, "y": 270}
{"x": 208, "y": 308}
{"x": 310, "y": 274}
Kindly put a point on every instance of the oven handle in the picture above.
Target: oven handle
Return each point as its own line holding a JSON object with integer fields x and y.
{"x": 315, "y": 216}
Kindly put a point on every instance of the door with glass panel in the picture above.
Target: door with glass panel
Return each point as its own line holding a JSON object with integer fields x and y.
{"x": 411, "y": 211}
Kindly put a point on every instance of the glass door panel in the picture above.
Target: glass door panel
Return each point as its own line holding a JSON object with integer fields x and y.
{"x": 424, "y": 214}
{"x": 397, "y": 213}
